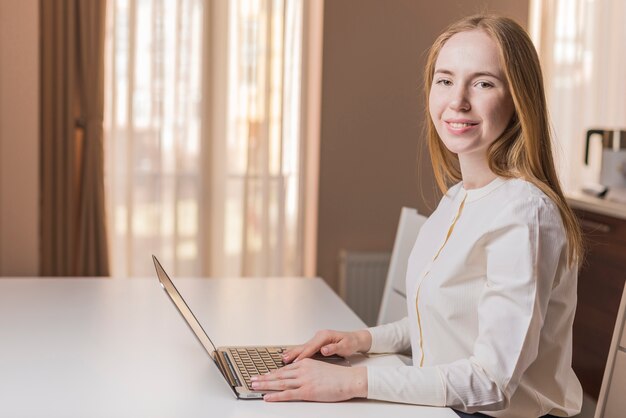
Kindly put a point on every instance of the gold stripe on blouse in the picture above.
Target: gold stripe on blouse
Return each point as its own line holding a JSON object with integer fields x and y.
{"x": 419, "y": 323}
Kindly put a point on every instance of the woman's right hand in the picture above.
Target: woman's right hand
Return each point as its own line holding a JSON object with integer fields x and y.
{"x": 330, "y": 342}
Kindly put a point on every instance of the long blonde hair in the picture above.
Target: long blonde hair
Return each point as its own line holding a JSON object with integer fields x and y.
{"x": 524, "y": 149}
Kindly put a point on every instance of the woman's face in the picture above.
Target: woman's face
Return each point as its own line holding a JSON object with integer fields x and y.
{"x": 470, "y": 104}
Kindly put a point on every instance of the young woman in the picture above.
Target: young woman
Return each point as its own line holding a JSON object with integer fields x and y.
{"x": 491, "y": 280}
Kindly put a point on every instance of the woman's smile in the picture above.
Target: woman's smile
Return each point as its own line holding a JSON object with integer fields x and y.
{"x": 470, "y": 103}
{"x": 461, "y": 126}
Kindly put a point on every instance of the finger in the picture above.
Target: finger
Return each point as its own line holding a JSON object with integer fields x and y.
{"x": 286, "y": 395}
{"x": 280, "y": 385}
{"x": 330, "y": 349}
{"x": 292, "y": 353}
{"x": 275, "y": 375}
{"x": 312, "y": 347}
{"x": 341, "y": 348}
{"x": 308, "y": 351}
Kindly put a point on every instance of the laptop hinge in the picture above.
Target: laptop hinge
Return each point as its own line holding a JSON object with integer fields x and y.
{"x": 228, "y": 369}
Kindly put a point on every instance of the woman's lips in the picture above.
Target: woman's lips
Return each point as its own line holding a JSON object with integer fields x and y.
{"x": 460, "y": 127}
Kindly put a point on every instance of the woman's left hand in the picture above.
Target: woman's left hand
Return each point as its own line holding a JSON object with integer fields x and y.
{"x": 312, "y": 380}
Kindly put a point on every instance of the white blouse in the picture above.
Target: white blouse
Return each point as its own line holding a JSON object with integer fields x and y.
{"x": 491, "y": 302}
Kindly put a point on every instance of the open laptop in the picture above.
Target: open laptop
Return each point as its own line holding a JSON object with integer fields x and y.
{"x": 236, "y": 364}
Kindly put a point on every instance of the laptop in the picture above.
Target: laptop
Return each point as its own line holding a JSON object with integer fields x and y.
{"x": 237, "y": 364}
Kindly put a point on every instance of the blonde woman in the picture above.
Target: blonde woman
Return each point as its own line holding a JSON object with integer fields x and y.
{"x": 491, "y": 280}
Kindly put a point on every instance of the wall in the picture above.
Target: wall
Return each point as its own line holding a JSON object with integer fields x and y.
{"x": 374, "y": 52}
{"x": 371, "y": 123}
{"x": 19, "y": 138}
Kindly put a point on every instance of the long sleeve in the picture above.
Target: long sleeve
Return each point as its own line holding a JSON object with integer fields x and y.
{"x": 383, "y": 381}
{"x": 406, "y": 384}
{"x": 391, "y": 338}
{"x": 524, "y": 250}
{"x": 524, "y": 247}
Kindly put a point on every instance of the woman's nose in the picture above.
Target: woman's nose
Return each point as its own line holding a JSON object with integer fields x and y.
{"x": 459, "y": 100}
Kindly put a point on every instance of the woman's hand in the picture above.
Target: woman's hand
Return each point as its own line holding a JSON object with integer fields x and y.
{"x": 312, "y": 380}
{"x": 331, "y": 342}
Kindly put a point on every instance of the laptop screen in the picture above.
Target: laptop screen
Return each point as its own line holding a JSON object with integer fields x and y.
{"x": 183, "y": 309}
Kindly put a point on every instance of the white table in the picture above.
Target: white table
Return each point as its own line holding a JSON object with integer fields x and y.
{"x": 118, "y": 348}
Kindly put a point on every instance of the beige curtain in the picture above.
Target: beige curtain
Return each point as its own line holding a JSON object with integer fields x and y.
{"x": 72, "y": 214}
{"x": 257, "y": 216}
{"x": 205, "y": 152}
{"x": 582, "y": 48}
{"x": 152, "y": 125}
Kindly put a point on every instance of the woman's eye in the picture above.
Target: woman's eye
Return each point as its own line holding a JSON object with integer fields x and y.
{"x": 484, "y": 85}
{"x": 444, "y": 82}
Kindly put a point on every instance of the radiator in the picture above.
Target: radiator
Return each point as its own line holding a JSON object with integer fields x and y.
{"x": 362, "y": 278}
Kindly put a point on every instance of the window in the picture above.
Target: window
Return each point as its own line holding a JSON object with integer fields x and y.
{"x": 582, "y": 51}
{"x": 205, "y": 135}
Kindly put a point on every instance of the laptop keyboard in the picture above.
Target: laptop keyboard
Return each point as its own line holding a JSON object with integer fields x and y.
{"x": 252, "y": 361}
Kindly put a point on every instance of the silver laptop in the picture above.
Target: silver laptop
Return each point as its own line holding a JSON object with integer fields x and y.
{"x": 236, "y": 364}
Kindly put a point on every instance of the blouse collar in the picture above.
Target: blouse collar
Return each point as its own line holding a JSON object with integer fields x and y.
{"x": 475, "y": 194}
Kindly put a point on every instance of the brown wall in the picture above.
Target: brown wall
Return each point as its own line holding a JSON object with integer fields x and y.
{"x": 19, "y": 138}
{"x": 371, "y": 122}
{"x": 372, "y": 117}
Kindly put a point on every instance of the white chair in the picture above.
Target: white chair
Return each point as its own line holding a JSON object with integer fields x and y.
{"x": 612, "y": 399}
{"x": 393, "y": 304}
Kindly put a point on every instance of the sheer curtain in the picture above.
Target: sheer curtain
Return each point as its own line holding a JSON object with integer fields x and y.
{"x": 257, "y": 200}
{"x": 152, "y": 130}
{"x": 582, "y": 47}
{"x": 205, "y": 154}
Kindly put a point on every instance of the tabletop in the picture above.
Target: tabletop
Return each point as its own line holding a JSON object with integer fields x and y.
{"x": 98, "y": 347}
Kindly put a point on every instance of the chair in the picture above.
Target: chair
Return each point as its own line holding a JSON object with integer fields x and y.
{"x": 612, "y": 399}
{"x": 393, "y": 304}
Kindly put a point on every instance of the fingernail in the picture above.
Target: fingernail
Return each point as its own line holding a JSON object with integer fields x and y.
{"x": 267, "y": 397}
{"x": 255, "y": 385}
{"x": 253, "y": 378}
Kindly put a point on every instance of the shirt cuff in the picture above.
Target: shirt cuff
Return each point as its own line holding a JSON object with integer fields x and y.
{"x": 407, "y": 384}
{"x": 377, "y": 333}
{"x": 390, "y": 338}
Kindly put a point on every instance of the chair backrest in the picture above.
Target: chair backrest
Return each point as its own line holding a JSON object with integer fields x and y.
{"x": 393, "y": 304}
{"x": 612, "y": 399}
